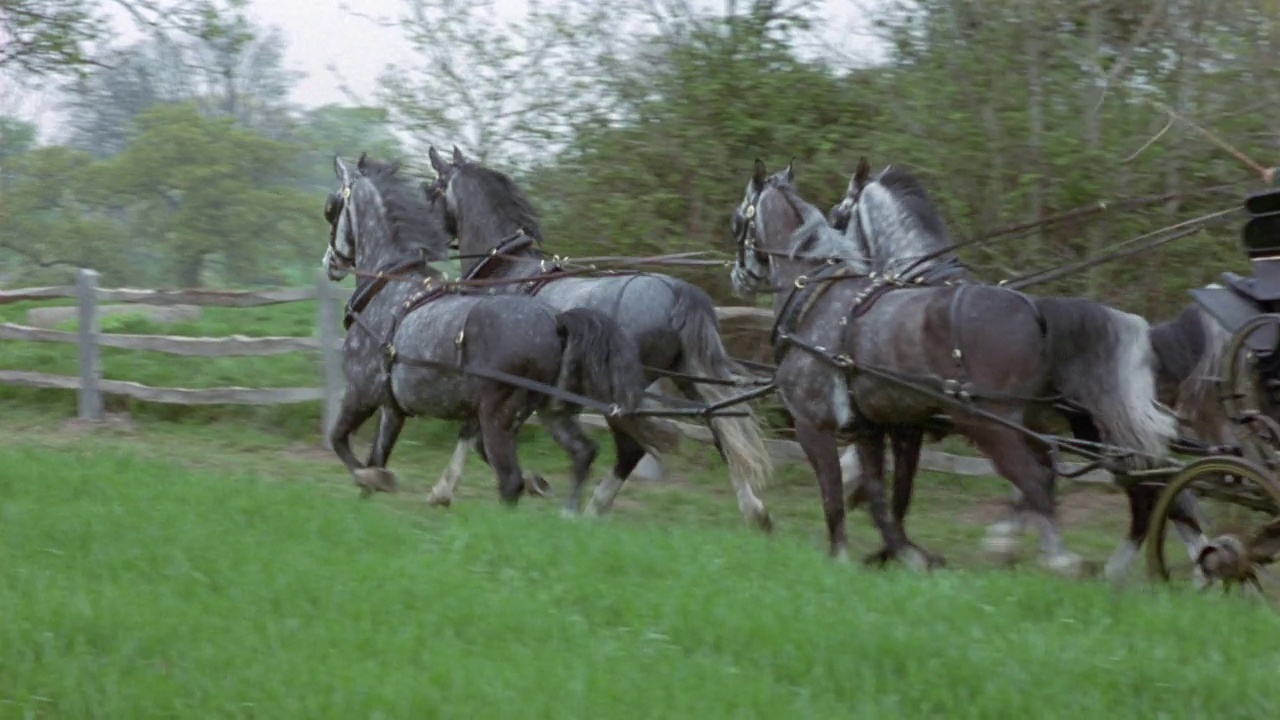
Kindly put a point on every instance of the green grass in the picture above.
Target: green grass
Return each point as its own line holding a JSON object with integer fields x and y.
{"x": 135, "y": 587}
{"x": 214, "y": 562}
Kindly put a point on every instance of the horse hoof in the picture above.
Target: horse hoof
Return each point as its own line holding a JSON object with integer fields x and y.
{"x": 921, "y": 560}
{"x": 764, "y": 521}
{"x": 376, "y": 479}
{"x": 879, "y": 558}
{"x": 444, "y": 501}
{"x": 1001, "y": 543}
{"x": 570, "y": 513}
{"x": 535, "y": 485}
{"x": 1069, "y": 564}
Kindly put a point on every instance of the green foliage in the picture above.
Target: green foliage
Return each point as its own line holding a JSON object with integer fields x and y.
{"x": 49, "y": 218}
{"x": 346, "y": 131}
{"x": 137, "y": 585}
{"x": 16, "y": 138}
{"x": 48, "y": 37}
{"x": 666, "y": 177}
{"x": 202, "y": 187}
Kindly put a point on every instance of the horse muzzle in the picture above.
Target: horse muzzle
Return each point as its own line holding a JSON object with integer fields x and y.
{"x": 744, "y": 283}
{"x": 334, "y": 268}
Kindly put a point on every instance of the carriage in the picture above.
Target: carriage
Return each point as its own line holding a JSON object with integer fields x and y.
{"x": 1242, "y": 476}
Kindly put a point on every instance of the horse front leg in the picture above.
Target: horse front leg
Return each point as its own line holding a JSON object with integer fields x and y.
{"x": 470, "y": 437}
{"x": 870, "y": 446}
{"x": 906, "y": 441}
{"x": 376, "y": 477}
{"x": 821, "y": 449}
{"x": 352, "y": 414}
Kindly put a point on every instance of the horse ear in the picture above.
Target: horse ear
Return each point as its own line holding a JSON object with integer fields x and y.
{"x": 341, "y": 171}
{"x": 791, "y": 170}
{"x": 757, "y": 179}
{"x": 457, "y": 156}
{"x": 862, "y": 173}
{"x": 363, "y": 163}
{"x": 436, "y": 163}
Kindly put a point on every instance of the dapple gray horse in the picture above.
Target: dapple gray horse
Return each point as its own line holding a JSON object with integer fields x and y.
{"x": 868, "y": 353}
{"x": 898, "y": 211}
{"x": 672, "y": 322}
{"x": 412, "y": 338}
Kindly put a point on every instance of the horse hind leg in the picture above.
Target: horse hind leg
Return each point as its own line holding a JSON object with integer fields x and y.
{"x": 629, "y": 452}
{"x": 498, "y": 416}
{"x": 582, "y": 450}
{"x": 469, "y": 439}
{"x": 1019, "y": 463}
{"x": 1187, "y": 519}
{"x": 737, "y": 447}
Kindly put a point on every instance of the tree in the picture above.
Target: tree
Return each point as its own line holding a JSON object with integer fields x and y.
{"x": 48, "y": 37}
{"x": 504, "y": 91}
{"x": 200, "y": 188}
{"x": 16, "y": 138}
{"x": 663, "y": 168}
{"x": 220, "y": 61}
{"x": 50, "y": 226}
{"x": 347, "y": 131}
{"x": 45, "y": 38}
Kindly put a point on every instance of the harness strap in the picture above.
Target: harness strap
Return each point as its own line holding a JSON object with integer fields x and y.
{"x": 609, "y": 410}
{"x": 790, "y": 315}
{"x": 432, "y": 290}
{"x": 366, "y": 292}
{"x": 518, "y": 240}
{"x": 960, "y": 387}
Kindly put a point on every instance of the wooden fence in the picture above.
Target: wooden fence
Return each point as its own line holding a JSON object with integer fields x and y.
{"x": 90, "y": 386}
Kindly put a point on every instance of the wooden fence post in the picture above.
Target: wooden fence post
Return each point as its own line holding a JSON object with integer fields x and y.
{"x": 89, "y": 398}
{"x": 329, "y": 335}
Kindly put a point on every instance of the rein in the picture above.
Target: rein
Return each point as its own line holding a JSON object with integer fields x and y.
{"x": 1129, "y": 247}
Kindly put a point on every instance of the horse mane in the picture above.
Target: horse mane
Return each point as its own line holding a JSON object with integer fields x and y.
{"x": 914, "y": 228}
{"x": 815, "y": 235}
{"x": 408, "y": 216}
{"x": 508, "y": 203}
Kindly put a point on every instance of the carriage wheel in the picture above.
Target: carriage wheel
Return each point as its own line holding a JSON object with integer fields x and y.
{"x": 1241, "y": 398}
{"x": 1240, "y": 517}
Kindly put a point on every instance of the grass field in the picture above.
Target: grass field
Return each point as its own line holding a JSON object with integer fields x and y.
{"x": 216, "y": 563}
{"x": 136, "y": 587}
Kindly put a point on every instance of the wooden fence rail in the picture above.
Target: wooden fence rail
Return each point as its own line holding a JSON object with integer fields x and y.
{"x": 90, "y": 386}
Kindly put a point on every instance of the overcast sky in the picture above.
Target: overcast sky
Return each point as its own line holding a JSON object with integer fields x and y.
{"x": 320, "y": 33}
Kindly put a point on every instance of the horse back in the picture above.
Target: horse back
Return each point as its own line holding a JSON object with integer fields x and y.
{"x": 990, "y": 335}
{"x": 650, "y": 308}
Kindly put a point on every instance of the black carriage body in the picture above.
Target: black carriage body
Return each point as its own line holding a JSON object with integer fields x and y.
{"x": 1243, "y": 298}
